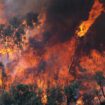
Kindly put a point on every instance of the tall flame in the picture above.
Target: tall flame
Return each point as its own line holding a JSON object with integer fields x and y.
{"x": 95, "y": 12}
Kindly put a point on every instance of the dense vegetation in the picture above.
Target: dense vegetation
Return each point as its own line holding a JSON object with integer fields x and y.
{"x": 68, "y": 95}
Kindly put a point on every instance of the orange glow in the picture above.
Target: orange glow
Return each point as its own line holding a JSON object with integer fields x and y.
{"x": 95, "y": 12}
{"x": 79, "y": 101}
{"x": 44, "y": 98}
{"x": 6, "y": 51}
{"x": 94, "y": 62}
{"x": 48, "y": 66}
{"x": 1, "y": 82}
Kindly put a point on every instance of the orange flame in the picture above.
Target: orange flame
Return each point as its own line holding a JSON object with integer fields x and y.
{"x": 94, "y": 62}
{"x": 57, "y": 70}
{"x": 79, "y": 101}
{"x": 95, "y": 12}
{"x": 5, "y": 51}
{"x": 1, "y": 82}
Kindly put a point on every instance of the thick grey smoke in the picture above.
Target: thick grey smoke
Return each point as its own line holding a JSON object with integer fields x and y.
{"x": 21, "y": 7}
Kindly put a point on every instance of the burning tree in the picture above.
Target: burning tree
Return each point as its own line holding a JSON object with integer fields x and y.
{"x": 55, "y": 96}
{"x": 49, "y": 40}
{"x": 72, "y": 92}
{"x": 24, "y": 95}
{"x": 88, "y": 99}
{"x": 100, "y": 79}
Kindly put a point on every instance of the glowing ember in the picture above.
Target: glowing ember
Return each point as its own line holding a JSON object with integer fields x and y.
{"x": 44, "y": 98}
{"x": 95, "y": 12}
{"x": 6, "y": 51}
{"x": 1, "y": 82}
{"x": 80, "y": 101}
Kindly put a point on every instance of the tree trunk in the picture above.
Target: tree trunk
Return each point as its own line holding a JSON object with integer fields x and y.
{"x": 102, "y": 89}
{"x": 68, "y": 101}
{"x": 75, "y": 58}
{"x": 99, "y": 99}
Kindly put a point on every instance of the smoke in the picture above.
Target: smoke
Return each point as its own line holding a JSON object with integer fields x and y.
{"x": 62, "y": 19}
{"x": 63, "y": 16}
{"x": 53, "y": 52}
{"x": 22, "y": 7}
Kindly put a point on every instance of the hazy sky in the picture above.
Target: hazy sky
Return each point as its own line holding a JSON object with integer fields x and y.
{"x": 21, "y": 7}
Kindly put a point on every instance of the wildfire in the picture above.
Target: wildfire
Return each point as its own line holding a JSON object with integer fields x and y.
{"x": 94, "y": 62}
{"x": 1, "y": 82}
{"x": 80, "y": 101}
{"x": 95, "y": 12}
{"x": 6, "y": 51}
{"x": 46, "y": 66}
